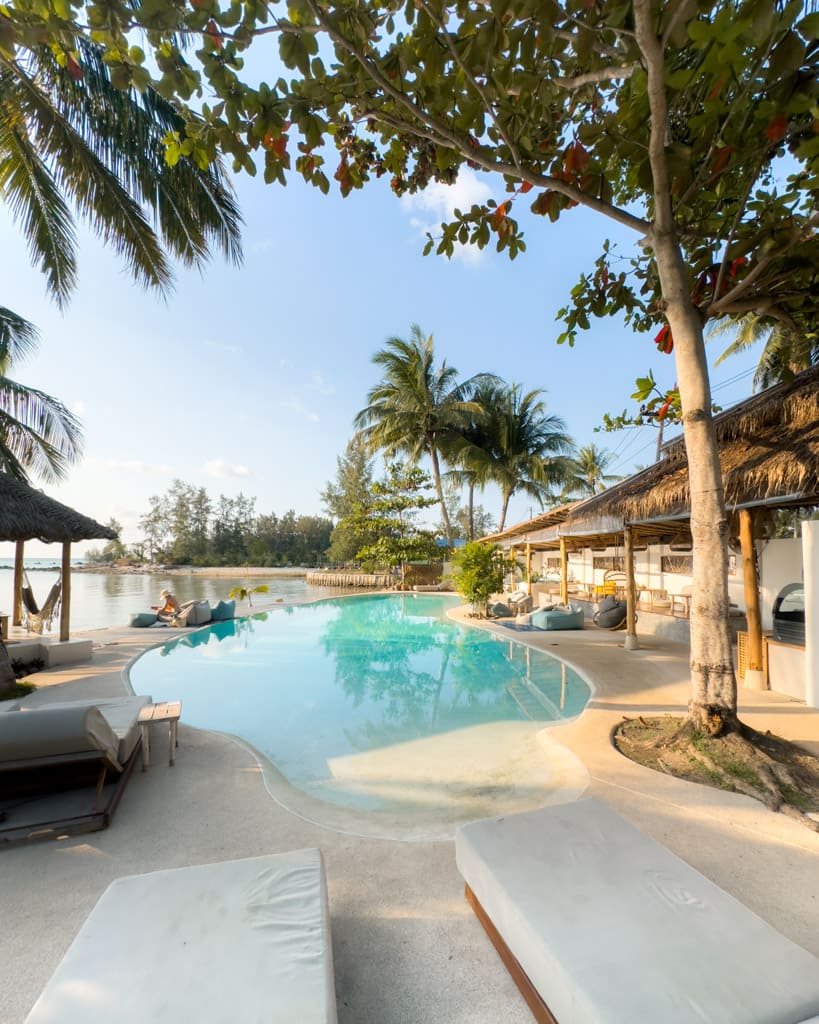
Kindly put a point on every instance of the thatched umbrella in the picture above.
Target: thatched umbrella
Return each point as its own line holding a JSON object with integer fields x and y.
{"x": 28, "y": 514}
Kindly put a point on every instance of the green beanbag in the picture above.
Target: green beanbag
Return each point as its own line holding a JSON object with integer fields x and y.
{"x": 142, "y": 619}
{"x": 223, "y": 610}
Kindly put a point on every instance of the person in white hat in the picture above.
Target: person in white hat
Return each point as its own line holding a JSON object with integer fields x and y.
{"x": 169, "y": 607}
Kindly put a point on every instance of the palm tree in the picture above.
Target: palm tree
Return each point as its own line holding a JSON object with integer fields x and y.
{"x": 527, "y": 449}
{"x": 786, "y": 350}
{"x": 590, "y": 470}
{"x": 37, "y": 433}
{"x": 416, "y": 408}
{"x": 68, "y": 137}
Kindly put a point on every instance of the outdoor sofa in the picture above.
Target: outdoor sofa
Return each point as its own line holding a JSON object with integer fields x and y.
{"x": 557, "y": 617}
{"x": 242, "y": 940}
{"x": 599, "y": 924}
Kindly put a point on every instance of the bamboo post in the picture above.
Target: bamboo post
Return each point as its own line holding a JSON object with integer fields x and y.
{"x": 65, "y": 600}
{"x": 17, "y": 605}
{"x": 564, "y": 572}
{"x": 630, "y": 643}
{"x": 529, "y": 567}
{"x": 754, "y": 676}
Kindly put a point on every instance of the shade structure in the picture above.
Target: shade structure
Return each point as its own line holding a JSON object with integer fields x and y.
{"x": 28, "y": 514}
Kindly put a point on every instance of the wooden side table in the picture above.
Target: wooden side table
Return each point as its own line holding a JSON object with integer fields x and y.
{"x": 169, "y": 712}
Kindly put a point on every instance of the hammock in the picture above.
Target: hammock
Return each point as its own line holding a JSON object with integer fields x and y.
{"x": 39, "y": 619}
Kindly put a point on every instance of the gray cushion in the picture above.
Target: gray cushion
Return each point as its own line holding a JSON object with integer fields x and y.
{"x": 121, "y": 714}
{"x": 55, "y": 733}
{"x": 142, "y": 619}
{"x": 222, "y": 610}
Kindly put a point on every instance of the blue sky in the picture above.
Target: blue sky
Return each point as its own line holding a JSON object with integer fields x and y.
{"x": 248, "y": 379}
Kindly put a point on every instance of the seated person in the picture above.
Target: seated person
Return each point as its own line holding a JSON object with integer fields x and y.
{"x": 169, "y": 609}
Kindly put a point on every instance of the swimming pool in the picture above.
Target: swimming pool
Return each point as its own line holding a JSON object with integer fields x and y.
{"x": 375, "y": 702}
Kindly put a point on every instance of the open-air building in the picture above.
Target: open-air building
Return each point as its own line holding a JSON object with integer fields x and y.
{"x": 636, "y": 537}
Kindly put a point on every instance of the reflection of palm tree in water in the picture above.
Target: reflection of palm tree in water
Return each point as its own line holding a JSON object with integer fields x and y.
{"x": 377, "y": 647}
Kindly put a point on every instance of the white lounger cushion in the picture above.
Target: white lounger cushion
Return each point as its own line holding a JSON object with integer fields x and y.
{"x": 240, "y": 942}
{"x": 610, "y": 926}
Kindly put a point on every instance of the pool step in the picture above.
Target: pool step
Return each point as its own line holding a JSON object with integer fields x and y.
{"x": 531, "y": 700}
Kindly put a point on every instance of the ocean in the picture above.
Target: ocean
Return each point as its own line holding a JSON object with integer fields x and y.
{"x": 100, "y": 599}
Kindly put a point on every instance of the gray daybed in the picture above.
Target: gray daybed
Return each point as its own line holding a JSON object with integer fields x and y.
{"x": 600, "y": 924}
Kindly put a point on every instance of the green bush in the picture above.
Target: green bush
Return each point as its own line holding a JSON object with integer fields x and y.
{"x": 478, "y": 571}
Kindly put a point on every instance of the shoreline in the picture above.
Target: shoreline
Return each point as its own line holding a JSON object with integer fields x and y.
{"x": 293, "y": 572}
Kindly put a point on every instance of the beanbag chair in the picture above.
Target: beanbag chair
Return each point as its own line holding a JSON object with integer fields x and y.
{"x": 142, "y": 619}
{"x": 223, "y": 610}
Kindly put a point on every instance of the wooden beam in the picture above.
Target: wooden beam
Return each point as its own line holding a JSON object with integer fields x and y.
{"x": 564, "y": 572}
{"x": 751, "y": 582}
{"x": 17, "y": 599}
{"x": 631, "y": 643}
{"x": 529, "y": 567}
{"x": 65, "y": 600}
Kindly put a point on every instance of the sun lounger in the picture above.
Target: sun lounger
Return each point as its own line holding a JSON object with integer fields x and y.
{"x": 599, "y": 923}
{"x": 65, "y": 765}
{"x": 229, "y": 943}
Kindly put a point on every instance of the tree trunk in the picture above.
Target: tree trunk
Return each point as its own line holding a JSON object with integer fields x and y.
{"x": 504, "y": 508}
{"x": 8, "y": 680}
{"x": 436, "y": 476}
{"x": 713, "y": 685}
{"x": 471, "y": 512}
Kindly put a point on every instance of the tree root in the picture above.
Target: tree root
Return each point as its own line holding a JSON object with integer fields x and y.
{"x": 804, "y": 819}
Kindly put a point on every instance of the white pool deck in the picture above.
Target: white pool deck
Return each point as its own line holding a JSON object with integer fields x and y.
{"x": 407, "y": 948}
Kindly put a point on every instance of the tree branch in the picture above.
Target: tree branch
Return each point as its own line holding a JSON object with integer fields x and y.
{"x": 601, "y": 75}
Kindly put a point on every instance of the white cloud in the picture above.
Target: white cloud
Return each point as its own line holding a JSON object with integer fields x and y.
{"x": 437, "y": 202}
{"x": 321, "y": 384}
{"x": 220, "y": 468}
{"x": 134, "y": 467}
{"x": 226, "y": 348}
{"x": 297, "y": 406}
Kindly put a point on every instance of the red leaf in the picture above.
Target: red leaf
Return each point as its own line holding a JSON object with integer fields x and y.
{"x": 722, "y": 158}
{"x": 661, "y": 414}
{"x": 664, "y": 340}
{"x": 498, "y": 217}
{"x": 73, "y": 68}
{"x": 740, "y": 261}
{"x": 777, "y": 128}
{"x": 525, "y": 187}
{"x": 213, "y": 32}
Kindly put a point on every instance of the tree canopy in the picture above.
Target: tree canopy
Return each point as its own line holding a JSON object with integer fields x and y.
{"x": 694, "y": 123}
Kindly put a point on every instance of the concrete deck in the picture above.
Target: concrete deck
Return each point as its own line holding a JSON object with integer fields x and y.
{"x": 407, "y": 949}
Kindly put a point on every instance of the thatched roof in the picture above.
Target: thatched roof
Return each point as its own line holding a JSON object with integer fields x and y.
{"x": 768, "y": 449}
{"x": 27, "y": 514}
{"x": 520, "y": 531}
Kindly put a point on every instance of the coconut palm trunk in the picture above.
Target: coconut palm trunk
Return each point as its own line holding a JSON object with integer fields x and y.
{"x": 713, "y": 694}
{"x": 439, "y": 490}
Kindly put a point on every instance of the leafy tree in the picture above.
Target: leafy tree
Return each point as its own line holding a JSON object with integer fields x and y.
{"x": 154, "y": 527}
{"x": 71, "y": 135}
{"x": 390, "y": 517}
{"x": 691, "y": 125}
{"x": 354, "y": 476}
{"x": 477, "y": 520}
{"x": 478, "y": 571}
{"x": 417, "y": 407}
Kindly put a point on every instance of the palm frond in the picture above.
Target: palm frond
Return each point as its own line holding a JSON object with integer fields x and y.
{"x": 18, "y": 338}
{"x": 37, "y": 432}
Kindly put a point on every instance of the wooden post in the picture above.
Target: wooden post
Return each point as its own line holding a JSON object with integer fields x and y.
{"x": 65, "y": 600}
{"x": 17, "y": 599}
{"x": 630, "y": 642}
{"x": 754, "y": 677}
{"x": 564, "y": 572}
{"x": 529, "y": 567}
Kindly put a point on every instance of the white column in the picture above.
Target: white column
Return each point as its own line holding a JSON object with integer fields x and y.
{"x": 810, "y": 569}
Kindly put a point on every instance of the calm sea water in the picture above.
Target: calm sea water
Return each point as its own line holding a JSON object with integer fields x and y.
{"x": 109, "y": 599}
{"x": 313, "y": 687}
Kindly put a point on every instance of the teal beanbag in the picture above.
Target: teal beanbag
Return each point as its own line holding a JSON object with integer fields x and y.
{"x": 142, "y": 619}
{"x": 223, "y": 610}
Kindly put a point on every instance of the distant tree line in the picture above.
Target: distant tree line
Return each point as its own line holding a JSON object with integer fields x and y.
{"x": 185, "y": 526}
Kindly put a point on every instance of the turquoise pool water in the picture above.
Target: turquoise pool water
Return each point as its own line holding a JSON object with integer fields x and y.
{"x": 314, "y": 686}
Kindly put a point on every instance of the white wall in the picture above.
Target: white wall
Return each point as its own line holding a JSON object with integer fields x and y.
{"x": 780, "y": 562}
{"x": 810, "y": 544}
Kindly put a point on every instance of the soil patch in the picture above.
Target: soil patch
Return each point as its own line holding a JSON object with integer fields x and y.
{"x": 783, "y": 776}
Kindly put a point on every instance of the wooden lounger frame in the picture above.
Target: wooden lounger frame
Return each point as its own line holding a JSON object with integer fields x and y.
{"x": 97, "y": 818}
{"x": 540, "y": 1010}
